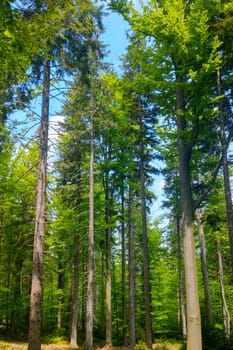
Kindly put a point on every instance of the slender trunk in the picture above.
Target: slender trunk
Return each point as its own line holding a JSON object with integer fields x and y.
{"x": 147, "y": 289}
{"x": 116, "y": 304}
{"x": 90, "y": 267}
{"x": 108, "y": 267}
{"x": 103, "y": 292}
{"x": 75, "y": 302}
{"x": 208, "y": 304}
{"x": 83, "y": 297}
{"x": 123, "y": 270}
{"x": 108, "y": 291}
{"x": 60, "y": 299}
{"x": 225, "y": 311}
{"x": 8, "y": 288}
{"x": 194, "y": 337}
{"x": 227, "y": 187}
{"x": 74, "y": 320}
{"x": 181, "y": 280}
{"x": 132, "y": 321}
{"x": 34, "y": 342}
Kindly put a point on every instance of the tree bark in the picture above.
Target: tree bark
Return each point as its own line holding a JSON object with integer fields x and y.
{"x": 108, "y": 266}
{"x": 132, "y": 321}
{"x": 227, "y": 187}
{"x": 146, "y": 275}
{"x": 60, "y": 299}
{"x": 74, "y": 320}
{"x": 225, "y": 311}
{"x": 208, "y": 304}
{"x": 181, "y": 280}
{"x": 123, "y": 270}
{"x": 90, "y": 267}
{"x": 194, "y": 337}
{"x": 108, "y": 291}
{"x": 34, "y": 342}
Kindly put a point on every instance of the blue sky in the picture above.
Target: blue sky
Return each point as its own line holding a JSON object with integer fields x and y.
{"x": 115, "y": 34}
{"x": 115, "y": 37}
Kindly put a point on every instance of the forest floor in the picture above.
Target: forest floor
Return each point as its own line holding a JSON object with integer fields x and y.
{"x": 23, "y": 346}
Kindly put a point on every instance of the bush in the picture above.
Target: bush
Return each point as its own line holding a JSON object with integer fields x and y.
{"x": 141, "y": 346}
{"x": 161, "y": 347}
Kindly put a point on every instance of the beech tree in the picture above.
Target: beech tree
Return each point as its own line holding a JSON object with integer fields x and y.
{"x": 180, "y": 31}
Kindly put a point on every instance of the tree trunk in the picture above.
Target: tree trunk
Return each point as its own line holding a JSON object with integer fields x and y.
{"x": 147, "y": 289}
{"x": 74, "y": 320}
{"x": 108, "y": 290}
{"x": 123, "y": 278}
{"x": 116, "y": 304}
{"x": 208, "y": 304}
{"x": 181, "y": 280}
{"x": 108, "y": 266}
{"x": 194, "y": 337}
{"x": 90, "y": 266}
{"x": 225, "y": 311}
{"x": 83, "y": 296}
{"x": 34, "y": 342}
{"x": 227, "y": 187}
{"x": 132, "y": 326}
{"x": 60, "y": 299}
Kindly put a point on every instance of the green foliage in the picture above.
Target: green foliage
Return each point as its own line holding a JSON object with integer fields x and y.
{"x": 141, "y": 346}
{"x": 162, "y": 347}
{"x": 17, "y": 215}
{"x": 191, "y": 39}
{"x": 169, "y": 346}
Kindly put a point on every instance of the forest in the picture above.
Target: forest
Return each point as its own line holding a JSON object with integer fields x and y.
{"x": 90, "y": 256}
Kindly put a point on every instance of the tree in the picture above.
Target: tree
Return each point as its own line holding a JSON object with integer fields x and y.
{"x": 90, "y": 266}
{"x": 38, "y": 249}
{"x": 175, "y": 29}
{"x": 132, "y": 307}
{"x": 224, "y": 124}
{"x": 172, "y": 201}
{"x": 55, "y": 41}
{"x": 17, "y": 208}
{"x": 209, "y": 314}
{"x": 225, "y": 311}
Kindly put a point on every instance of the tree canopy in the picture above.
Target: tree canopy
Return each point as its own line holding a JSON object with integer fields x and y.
{"x": 103, "y": 266}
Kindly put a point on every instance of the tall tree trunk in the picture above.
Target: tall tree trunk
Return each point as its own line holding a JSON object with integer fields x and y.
{"x": 83, "y": 296}
{"x": 181, "y": 279}
{"x": 123, "y": 270}
{"x": 75, "y": 301}
{"x": 116, "y": 304}
{"x": 227, "y": 187}
{"x": 132, "y": 318}
{"x": 208, "y": 304}
{"x": 108, "y": 266}
{"x": 34, "y": 342}
{"x": 103, "y": 293}
{"x": 194, "y": 337}
{"x": 147, "y": 289}
{"x": 108, "y": 290}
{"x": 74, "y": 319}
{"x": 90, "y": 266}
{"x": 60, "y": 299}
{"x": 225, "y": 311}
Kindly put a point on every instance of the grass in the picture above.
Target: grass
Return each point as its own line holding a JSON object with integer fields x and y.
{"x": 60, "y": 344}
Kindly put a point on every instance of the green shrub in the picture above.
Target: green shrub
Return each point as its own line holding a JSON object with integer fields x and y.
{"x": 141, "y": 346}
{"x": 161, "y": 347}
